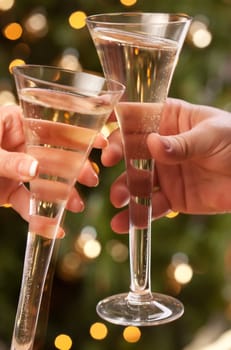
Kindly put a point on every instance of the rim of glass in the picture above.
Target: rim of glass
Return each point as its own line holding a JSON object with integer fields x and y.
{"x": 19, "y": 70}
{"x": 176, "y": 17}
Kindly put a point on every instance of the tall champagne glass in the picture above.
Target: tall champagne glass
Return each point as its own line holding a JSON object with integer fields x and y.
{"x": 63, "y": 113}
{"x": 141, "y": 51}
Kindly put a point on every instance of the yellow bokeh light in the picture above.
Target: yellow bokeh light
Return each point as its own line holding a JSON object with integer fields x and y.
{"x": 16, "y": 62}
{"x": 6, "y": 5}
{"x": 172, "y": 214}
{"x": 128, "y": 2}
{"x": 98, "y": 331}
{"x": 6, "y": 205}
{"x": 77, "y": 19}
{"x": 63, "y": 342}
{"x": 13, "y": 31}
{"x": 132, "y": 334}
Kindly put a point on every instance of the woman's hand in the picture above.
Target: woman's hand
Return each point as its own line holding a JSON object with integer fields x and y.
{"x": 17, "y": 167}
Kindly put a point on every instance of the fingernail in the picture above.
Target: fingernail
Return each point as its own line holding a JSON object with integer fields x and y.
{"x": 33, "y": 168}
{"x": 81, "y": 206}
{"x": 61, "y": 233}
{"x": 27, "y": 168}
{"x": 105, "y": 142}
{"x": 78, "y": 205}
{"x": 95, "y": 181}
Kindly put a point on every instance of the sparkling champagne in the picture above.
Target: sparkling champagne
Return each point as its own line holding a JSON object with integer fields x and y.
{"x": 144, "y": 64}
{"x": 60, "y": 130}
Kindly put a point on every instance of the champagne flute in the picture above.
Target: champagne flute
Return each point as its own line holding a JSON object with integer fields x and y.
{"x": 141, "y": 51}
{"x": 63, "y": 113}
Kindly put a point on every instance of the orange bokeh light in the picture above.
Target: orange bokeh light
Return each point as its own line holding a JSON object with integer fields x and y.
{"x": 13, "y": 31}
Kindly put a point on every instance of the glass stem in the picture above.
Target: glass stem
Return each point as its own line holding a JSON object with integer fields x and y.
{"x": 40, "y": 335}
{"x": 140, "y": 218}
{"x": 37, "y": 259}
{"x": 38, "y": 255}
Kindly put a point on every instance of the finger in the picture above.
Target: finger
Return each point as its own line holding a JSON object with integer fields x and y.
{"x": 119, "y": 194}
{"x": 175, "y": 149}
{"x": 120, "y": 222}
{"x": 46, "y": 227}
{"x": 11, "y": 128}
{"x": 20, "y": 199}
{"x": 113, "y": 153}
{"x": 75, "y": 202}
{"x": 89, "y": 174}
{"x": 100, "y": 141}
{"x": 17, "y": 166}
{"x": 160, "y": 205}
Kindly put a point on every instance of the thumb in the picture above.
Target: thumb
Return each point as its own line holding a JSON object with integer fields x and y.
{"x": 17, "y": 166}
{"x": 177, "y": 148}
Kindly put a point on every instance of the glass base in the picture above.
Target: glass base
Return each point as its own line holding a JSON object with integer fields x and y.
{"x": 158, "y": 310}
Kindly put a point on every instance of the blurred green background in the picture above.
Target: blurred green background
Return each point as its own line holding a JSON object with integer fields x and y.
{"x": 197, "y": 247}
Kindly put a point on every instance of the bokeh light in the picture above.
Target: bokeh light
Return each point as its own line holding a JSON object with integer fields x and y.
{"x": 179, "y": 272}
{"x": 70, "y": 267}
{"x": 98, "y": 331}
{"x": 181, "y": 269}
{"x": 13, "y": 31}
{"x": 199, "y": 33}
{"x": 6, "y": 5}
{"x": 202, "y": 38}
{"x": 36, "y": 24}
{"x": 15, "y": 62}
{"x": 128, "y": 2}
{"x": 22, "y": 50}
{"x": 92, "y": 249}
{"x": 172, "y": 214}
{"x": 70, "y": 60}
{"x": 87, "y": 244}
{"x": 7, "y": 97}
{"x": 77, "y": 19}
{"x": 183, "y": 273}
{"x": 222, "y": 343}
{"x": 86, "y": 234}
{"x": 6, "y": 205}
{"x": 63, "y": 342}
{"x": 117, "y": 250}
{"x": 132, "y": 334}
{"x": 179, "y": 258}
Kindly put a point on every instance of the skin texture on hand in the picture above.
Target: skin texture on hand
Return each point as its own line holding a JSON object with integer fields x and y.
{"x": 17, "y": 167}
{"x": 192, "y": 155}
